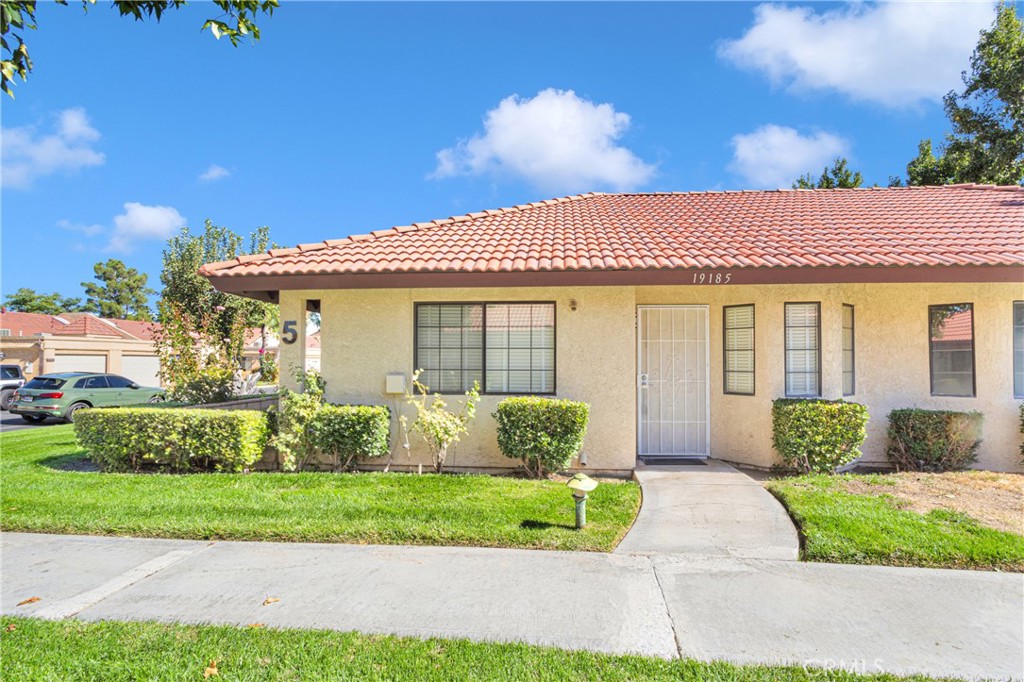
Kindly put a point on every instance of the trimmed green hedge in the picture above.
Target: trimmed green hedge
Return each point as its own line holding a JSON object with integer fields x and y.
{"x": 933, "y": 440}
{"x": 544, "y": 433}
{"x": 179, "y": 440}
{"x": 818, "y": 435}
{"x": 345, "y": 432}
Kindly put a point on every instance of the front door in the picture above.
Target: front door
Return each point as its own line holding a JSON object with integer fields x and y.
{"x": 673, "y": 398}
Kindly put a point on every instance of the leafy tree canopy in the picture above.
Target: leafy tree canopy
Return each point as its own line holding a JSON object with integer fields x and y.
{"x": 838, "y": 176}
{"x": 17, "y": 16}
{"x": 986, "y": 144}
{"x": 121, "y": 293}
{"x": 26, "y": 300}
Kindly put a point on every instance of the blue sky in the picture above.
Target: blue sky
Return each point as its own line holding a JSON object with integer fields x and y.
{"x": 348, "y": 118}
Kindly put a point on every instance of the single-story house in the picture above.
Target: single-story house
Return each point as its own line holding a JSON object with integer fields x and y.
{"x": 678, "y": 316}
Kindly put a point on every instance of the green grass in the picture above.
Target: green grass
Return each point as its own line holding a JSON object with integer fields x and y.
{"x": 36, "y": 496}
{"x": 842, "y": 527}
{"x": 73, "y": 650}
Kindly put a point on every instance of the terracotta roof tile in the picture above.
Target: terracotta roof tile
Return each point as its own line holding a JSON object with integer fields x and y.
{"x": 952, "y": 225}
{"x": 28, "y": 324}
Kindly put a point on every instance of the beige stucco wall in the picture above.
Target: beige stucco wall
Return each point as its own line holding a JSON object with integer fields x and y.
{"x": 368, "y": 333}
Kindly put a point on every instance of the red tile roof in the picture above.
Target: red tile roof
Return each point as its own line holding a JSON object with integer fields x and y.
{"x": 88, "y": 325}
{"x": 971, "y": 225}
{"x": 27, "y": 324}
{"x": 137, "y": 328}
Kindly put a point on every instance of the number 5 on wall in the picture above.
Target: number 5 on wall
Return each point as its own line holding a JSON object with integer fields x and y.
{"x": 288, "y": 332}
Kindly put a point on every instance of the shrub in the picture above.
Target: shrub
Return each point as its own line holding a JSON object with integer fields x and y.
{"x": 292, "y": 423}
{"x": 544, "y": 433}
{"x": 178, "y": 440}
{"x": 933, "y": 440}
{"x": 1022, "y": 432}
{"x": 818, "y": 435}
{"x": 440, "y": 428}
{"x": 211, "y": 385}
{"x": 344, "y": 432}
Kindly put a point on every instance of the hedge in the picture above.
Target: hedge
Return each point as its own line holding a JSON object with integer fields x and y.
{"x": 818, "y": 435}
{"x": 178, "y": 440}
{"x": 933, "y": 440}
{"x": 544, "y": 433}
{"x": 345, "y": 432}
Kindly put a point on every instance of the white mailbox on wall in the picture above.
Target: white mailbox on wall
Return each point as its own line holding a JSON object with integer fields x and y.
{"x": 394, "y": 383}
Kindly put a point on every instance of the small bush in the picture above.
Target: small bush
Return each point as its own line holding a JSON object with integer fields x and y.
{"x": 178, "y": 440}
{"x": 345, "y": 432}
{"x": 818, "y": 435}
{"x": 933, "y": 440}
{"x": 1022, "y": 432}
{"x": 211, "y": 385}
{"x": 544, "y": 433}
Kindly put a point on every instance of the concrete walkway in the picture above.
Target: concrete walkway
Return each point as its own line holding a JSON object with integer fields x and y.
{"x": 861, "y": 618}
{"x": 710, "y": 510}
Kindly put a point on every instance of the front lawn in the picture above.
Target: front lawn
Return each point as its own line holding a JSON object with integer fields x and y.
{"x": 42, "y": 493}
{"x": 886, "y": 519}
{"x": 73, "y": 650}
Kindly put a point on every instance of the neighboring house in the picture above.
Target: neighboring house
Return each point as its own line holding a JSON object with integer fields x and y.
{"x": 678, "y": 317}
{"x": 44, "y": 344}
{"x": 71, "y": 342}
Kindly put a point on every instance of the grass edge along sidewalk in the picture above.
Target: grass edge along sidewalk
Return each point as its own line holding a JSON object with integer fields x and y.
{"x": 71, "y": 650}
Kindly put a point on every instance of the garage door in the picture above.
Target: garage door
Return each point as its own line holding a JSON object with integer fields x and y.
{"x": 142, "y": 369}
{"x": 77, "y": 363}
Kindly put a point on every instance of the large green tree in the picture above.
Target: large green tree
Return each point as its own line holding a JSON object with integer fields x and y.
{"x": 26, "y": 300}
{"x": 121, "y": 293}
{"x": 838, "y": 176}
{"x": 17, "y": 16}
{"x": 986, "y": 143}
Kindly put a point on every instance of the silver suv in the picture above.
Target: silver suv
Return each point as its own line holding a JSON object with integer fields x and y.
{"x": 11, "y": 379}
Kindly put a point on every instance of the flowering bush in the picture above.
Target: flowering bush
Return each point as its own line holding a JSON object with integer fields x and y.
{"x": 439, "y": 427}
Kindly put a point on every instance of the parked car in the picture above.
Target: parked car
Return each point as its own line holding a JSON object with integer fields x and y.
{"x": 11, "y": 378}
{"x": 62, "y": 395}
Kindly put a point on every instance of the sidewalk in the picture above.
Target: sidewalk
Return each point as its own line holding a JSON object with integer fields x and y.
{"x": 863, "y": 618}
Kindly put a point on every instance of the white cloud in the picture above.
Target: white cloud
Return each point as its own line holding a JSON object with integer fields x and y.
{"x": 139, "y": 222}
{"x": 214, "y": 172}
{"x": 87, "y": 230}
{"x": 557, "y": 141}
{"x": 896, "y": 54}
{"x": 27, "y": 155}
{"x": 774, "y": 156}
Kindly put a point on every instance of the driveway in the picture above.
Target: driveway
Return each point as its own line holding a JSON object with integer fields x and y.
{"x": 862, "y": 618}
{"x": 14, "y": 422}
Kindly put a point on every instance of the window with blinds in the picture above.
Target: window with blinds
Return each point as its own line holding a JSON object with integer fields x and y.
{"x": 803, "y": 350}
{"x": 1018, "y": 349}
{"x": 849, "y": 375}
{"x": 738, "y": 339}
{"x": 505, "y": 347}
{"x": 951, "y": 349}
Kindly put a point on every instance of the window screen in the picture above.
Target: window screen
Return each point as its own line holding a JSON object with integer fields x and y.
{"x": 1018, "y": 349}
{"x": 849, "y": 377}
{"x": 951, "y": 345}
{"x": 739, "y": 349}
{"x": 506, "y": 347}
{"x": 803, "y": 345}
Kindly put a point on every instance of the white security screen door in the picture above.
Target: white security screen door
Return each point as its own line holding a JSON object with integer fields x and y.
{"x": 673, "y": 393}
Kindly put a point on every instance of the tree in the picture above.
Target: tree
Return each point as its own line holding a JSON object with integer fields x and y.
{"x": 838, "y": 176}
{"x": 192, "y": 313}
{"x": 121, "y": 294}
{"x": 26, "y": 300}
{"x": 986, "y": 144}
{"x": 235, "y": 23}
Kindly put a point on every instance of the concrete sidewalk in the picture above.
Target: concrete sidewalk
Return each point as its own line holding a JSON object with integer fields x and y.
{"x": 861, "y": 618}
{"x": 706, "y": 510}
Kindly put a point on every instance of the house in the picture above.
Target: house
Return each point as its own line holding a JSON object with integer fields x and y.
{"x": 679, "y": 316}
{"x": 72, "y": 342}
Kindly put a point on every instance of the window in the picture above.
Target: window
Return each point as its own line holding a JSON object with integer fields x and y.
{"x": 738, "y": 342}
{"x": 118, "y": 381}
{"x": 803, "y": 350}
{"x": 9, "y": 372}
{"x": 506, "y": 347}
{"x": 1018, "y": 349}
{"x": 92, "y": 382}
{"x": 951, "y": 346}
{"x": 45, "y": 383}
{"x": 849, "y": 375}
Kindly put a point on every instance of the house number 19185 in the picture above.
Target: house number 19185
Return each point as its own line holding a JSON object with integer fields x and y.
{"x": 711, "y": 277}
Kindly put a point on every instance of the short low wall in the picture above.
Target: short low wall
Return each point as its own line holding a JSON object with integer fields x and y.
{"x": 260, "y": 403}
